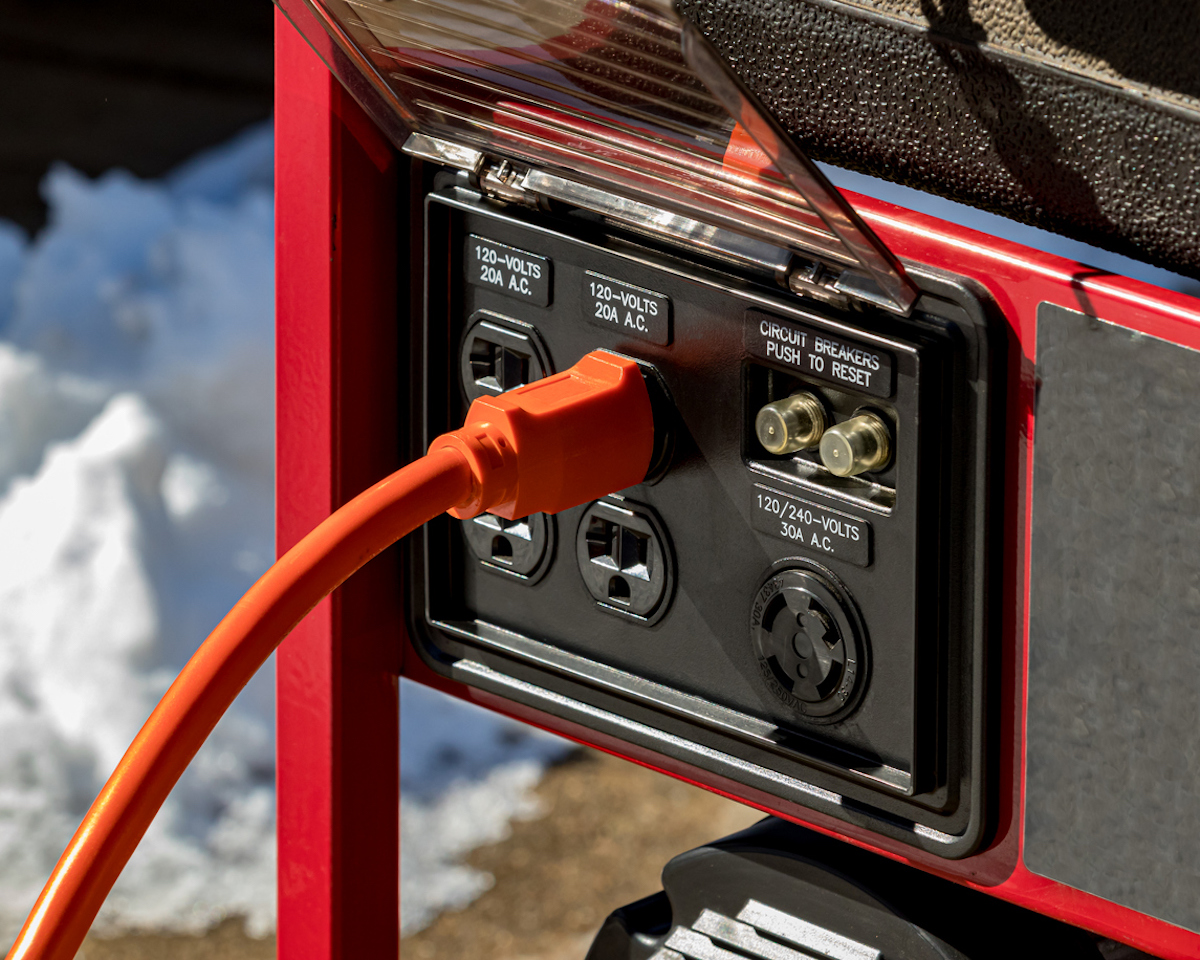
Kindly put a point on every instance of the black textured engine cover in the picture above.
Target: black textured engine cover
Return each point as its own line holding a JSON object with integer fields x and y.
{"x": 1080, "y": 117}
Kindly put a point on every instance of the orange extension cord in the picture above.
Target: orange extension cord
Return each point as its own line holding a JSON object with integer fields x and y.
{"x": 545, "y": 447}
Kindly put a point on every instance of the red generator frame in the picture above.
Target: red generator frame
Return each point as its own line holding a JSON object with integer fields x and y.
{"x": 339, "y": 187}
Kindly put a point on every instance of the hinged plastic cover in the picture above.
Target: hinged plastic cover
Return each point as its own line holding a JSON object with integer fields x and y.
{"x": 599, "y": 91}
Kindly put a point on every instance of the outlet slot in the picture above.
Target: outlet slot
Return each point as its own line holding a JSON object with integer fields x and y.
{"x": 502, "y": 550}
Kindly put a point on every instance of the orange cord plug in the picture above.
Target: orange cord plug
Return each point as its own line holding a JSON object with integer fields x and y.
{"x": 544, "y": 447}
{"x": 560, "y": 441}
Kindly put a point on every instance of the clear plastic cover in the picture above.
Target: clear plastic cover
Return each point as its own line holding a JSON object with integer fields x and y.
{"x": 598, "y": 91}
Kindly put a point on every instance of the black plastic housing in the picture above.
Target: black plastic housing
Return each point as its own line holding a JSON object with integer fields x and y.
{"x": 776, "y": 886}
{"x": 905, "y": 757}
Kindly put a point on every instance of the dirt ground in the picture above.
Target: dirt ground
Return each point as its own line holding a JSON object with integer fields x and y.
{"x": 609, "y": 828}
{"x": 226, "y": 942}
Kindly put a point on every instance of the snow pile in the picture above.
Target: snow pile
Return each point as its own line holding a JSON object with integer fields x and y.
{"x": 136, "y": 473}
{"x": 136, "y": 426}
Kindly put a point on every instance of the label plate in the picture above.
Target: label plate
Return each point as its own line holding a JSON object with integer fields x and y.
{"x": 634, "y": 311}
{"x": 812, "y": 526}
{"x": 507, "y": 270}
{"x": 814, "y": 353}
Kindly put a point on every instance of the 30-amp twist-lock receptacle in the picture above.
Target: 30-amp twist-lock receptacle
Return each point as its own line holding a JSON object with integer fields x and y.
{"x": 809, "y": 644}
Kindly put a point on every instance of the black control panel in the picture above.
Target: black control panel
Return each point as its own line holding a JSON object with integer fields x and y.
{"x": 796, "y": 598}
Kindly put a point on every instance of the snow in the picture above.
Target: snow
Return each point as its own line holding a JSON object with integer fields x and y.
{"x": 136, "y": 472}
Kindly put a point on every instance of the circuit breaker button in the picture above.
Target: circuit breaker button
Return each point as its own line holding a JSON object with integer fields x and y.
{"x": 859, "y": 445}
{"x": 791, "y": 424}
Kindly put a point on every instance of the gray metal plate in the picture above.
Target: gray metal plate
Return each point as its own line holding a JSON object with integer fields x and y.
{"x": 1113, "y": 757}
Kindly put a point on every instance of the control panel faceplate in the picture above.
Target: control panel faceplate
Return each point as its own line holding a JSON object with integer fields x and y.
{"x": 808, "y": 622}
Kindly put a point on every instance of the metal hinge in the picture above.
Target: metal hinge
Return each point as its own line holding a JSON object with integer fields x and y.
{"x": 500, "y": 180}
{"x": 506, "y": 182}
{"x": 811, "y": 278}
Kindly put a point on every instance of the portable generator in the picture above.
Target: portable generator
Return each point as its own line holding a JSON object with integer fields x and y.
{"x": 881, "y": 525}
{"x": 916, "y": 566}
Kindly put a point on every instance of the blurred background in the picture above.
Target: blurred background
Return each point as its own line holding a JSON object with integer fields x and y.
{"x": 134, "y": 84}
{"x": 136, "y": 473}
{"x": 136, "y": 437}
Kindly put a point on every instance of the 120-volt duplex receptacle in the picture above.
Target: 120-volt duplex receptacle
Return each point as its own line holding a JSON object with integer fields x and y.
{"x": 518, "y": 548}
{"x": 500, "y": 353}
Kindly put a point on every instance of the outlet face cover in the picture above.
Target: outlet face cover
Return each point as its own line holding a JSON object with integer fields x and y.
{"x": 625, "y": 559}
{"x": 518, "y": 548}
{"x": 500, "y": 353}
{"x": 643, "y": 630}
